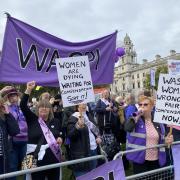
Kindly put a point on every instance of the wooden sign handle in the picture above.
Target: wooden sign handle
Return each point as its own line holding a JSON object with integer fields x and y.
{"x": 169, "y": 134}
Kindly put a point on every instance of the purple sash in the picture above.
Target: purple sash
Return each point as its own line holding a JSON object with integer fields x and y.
{"x": 50, "y": 139}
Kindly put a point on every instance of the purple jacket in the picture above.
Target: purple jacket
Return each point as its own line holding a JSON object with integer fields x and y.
{"x": 18, "y": 115}
{"x": 137, "y": 139}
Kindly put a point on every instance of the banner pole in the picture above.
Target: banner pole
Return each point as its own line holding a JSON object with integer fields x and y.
{"x": 7, "y": 14}
{"x": 169, "y": 134}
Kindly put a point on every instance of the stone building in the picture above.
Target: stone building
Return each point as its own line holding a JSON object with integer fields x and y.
{"x": 129, "y": 76}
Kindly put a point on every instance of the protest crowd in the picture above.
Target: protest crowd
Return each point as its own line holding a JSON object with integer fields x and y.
{"x": 38, "y": 129}
{"x": 41, "y": 130}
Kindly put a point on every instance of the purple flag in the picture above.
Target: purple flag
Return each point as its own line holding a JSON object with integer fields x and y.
{"x": 176, "y": 157}
{"x": 29, "y": 54}
{"x": 113, "y": 170}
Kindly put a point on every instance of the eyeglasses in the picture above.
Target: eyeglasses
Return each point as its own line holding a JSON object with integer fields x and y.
{"x": 145, "y": 104}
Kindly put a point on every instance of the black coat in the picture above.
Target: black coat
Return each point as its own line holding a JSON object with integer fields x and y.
{"x": 10, "y": 127}
{"x": 106, "y": 120}
{"x": 79, "y": 143}
{"x": 35, "y": 132}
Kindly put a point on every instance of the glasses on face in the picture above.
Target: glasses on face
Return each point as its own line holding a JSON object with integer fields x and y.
{"x": 145, "y": 104}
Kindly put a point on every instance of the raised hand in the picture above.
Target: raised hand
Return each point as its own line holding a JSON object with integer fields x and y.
{"x": 30, "y": 86}
{"x": 5, "y": 109}
{"x": 5, "y": 89}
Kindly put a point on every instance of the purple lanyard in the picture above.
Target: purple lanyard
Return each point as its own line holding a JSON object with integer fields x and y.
{"x": 50, "y": 139}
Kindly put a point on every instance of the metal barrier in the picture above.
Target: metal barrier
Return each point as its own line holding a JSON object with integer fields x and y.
{"x": 165, "y": 173}
{"x": 66, "y": 163}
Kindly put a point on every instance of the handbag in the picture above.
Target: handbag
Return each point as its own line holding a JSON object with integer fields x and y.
{"x": 30, "y": 160}
{"x": 110, "y": 145}
{"x": 109, "y": 141}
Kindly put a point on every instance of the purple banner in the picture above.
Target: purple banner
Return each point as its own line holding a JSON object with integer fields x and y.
{"x": 112, "y": 170}
{"x": 29, "y": 54}
{"x": 176, "y": 157}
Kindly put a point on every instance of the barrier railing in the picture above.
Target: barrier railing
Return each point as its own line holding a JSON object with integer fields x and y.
{"x": 66, "y": 163}
{"x": 159, "y": 174}
{"x": 168, "y": 169}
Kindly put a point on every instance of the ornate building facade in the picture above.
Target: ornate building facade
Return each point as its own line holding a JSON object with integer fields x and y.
{"x": 130, "y": 76}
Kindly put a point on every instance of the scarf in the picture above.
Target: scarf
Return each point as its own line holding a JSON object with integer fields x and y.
{"x": 50, "y": 139}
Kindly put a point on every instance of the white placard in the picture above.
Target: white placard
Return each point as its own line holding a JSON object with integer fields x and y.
{"x": 167, "y": 109}
{"x": 75, "y": 80}
{"x": 174, "y": 67}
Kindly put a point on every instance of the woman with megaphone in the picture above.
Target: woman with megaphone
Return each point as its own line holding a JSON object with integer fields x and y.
{"x": 143, "y": 132}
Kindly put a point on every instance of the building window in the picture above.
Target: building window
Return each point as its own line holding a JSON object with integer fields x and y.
{"x": 132, "y": 76}
{"x": 123, "y": 87}
{"x": 122, "y": 67}
{"x": 144, "y": 83}
{"x": 138, "y": 84}
{"x": 133, "y": 85}
{"x": 143, "y": 74}
{"x": 122, "y": 60}
{"x": 123, "y": 79}
{"x": 137, "y": 75}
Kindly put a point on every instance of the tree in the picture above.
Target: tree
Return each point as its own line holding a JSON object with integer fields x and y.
{"x": 160, "y": 69}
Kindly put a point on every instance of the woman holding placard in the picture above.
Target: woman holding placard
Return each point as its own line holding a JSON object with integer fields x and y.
{"x": 143, "y": 132}
{"x": 84, "y": 139}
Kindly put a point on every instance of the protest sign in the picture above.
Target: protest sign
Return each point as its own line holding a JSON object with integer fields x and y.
{"x": 167, "y": 109}
{"x": 174, "y": 67}
{"x": 29, "y": 54}
{"x": 112, "y": 170}
{"x": 75, "y": 80}
{"x": 176, "y": 162}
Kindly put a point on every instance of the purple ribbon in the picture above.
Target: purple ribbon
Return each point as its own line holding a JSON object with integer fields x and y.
{"x": 50, "y": 139}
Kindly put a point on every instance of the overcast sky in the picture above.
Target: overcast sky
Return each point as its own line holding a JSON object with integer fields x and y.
{"x": 153, "y": 26}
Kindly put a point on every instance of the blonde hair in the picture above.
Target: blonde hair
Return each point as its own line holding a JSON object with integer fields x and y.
{"x": 142, "y": 98}
{"x": 46, "y": 104}
{"x": 41, "y": 96}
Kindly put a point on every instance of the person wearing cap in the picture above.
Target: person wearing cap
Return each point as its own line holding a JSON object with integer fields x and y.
{"x": 8, "y": 127}
{"x": 18, "y": 143}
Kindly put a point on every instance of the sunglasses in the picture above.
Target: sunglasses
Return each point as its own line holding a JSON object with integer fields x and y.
{"x": 145, "y": 104}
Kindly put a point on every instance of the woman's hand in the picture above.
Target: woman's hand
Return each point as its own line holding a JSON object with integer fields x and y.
{"x": 5, "y": 89}
{"x": 30, "y": 87}
{"x": 5, "y": 109}
{"x": 59, "y": 141}
{"x": 52, "y": 100}
{"x": 98, "y": 140}
{"x": 169, "y": 139}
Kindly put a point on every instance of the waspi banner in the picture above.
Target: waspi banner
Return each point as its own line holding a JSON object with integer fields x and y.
{"x": 29, "y": 54}
{"x": 113, "y": 170}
